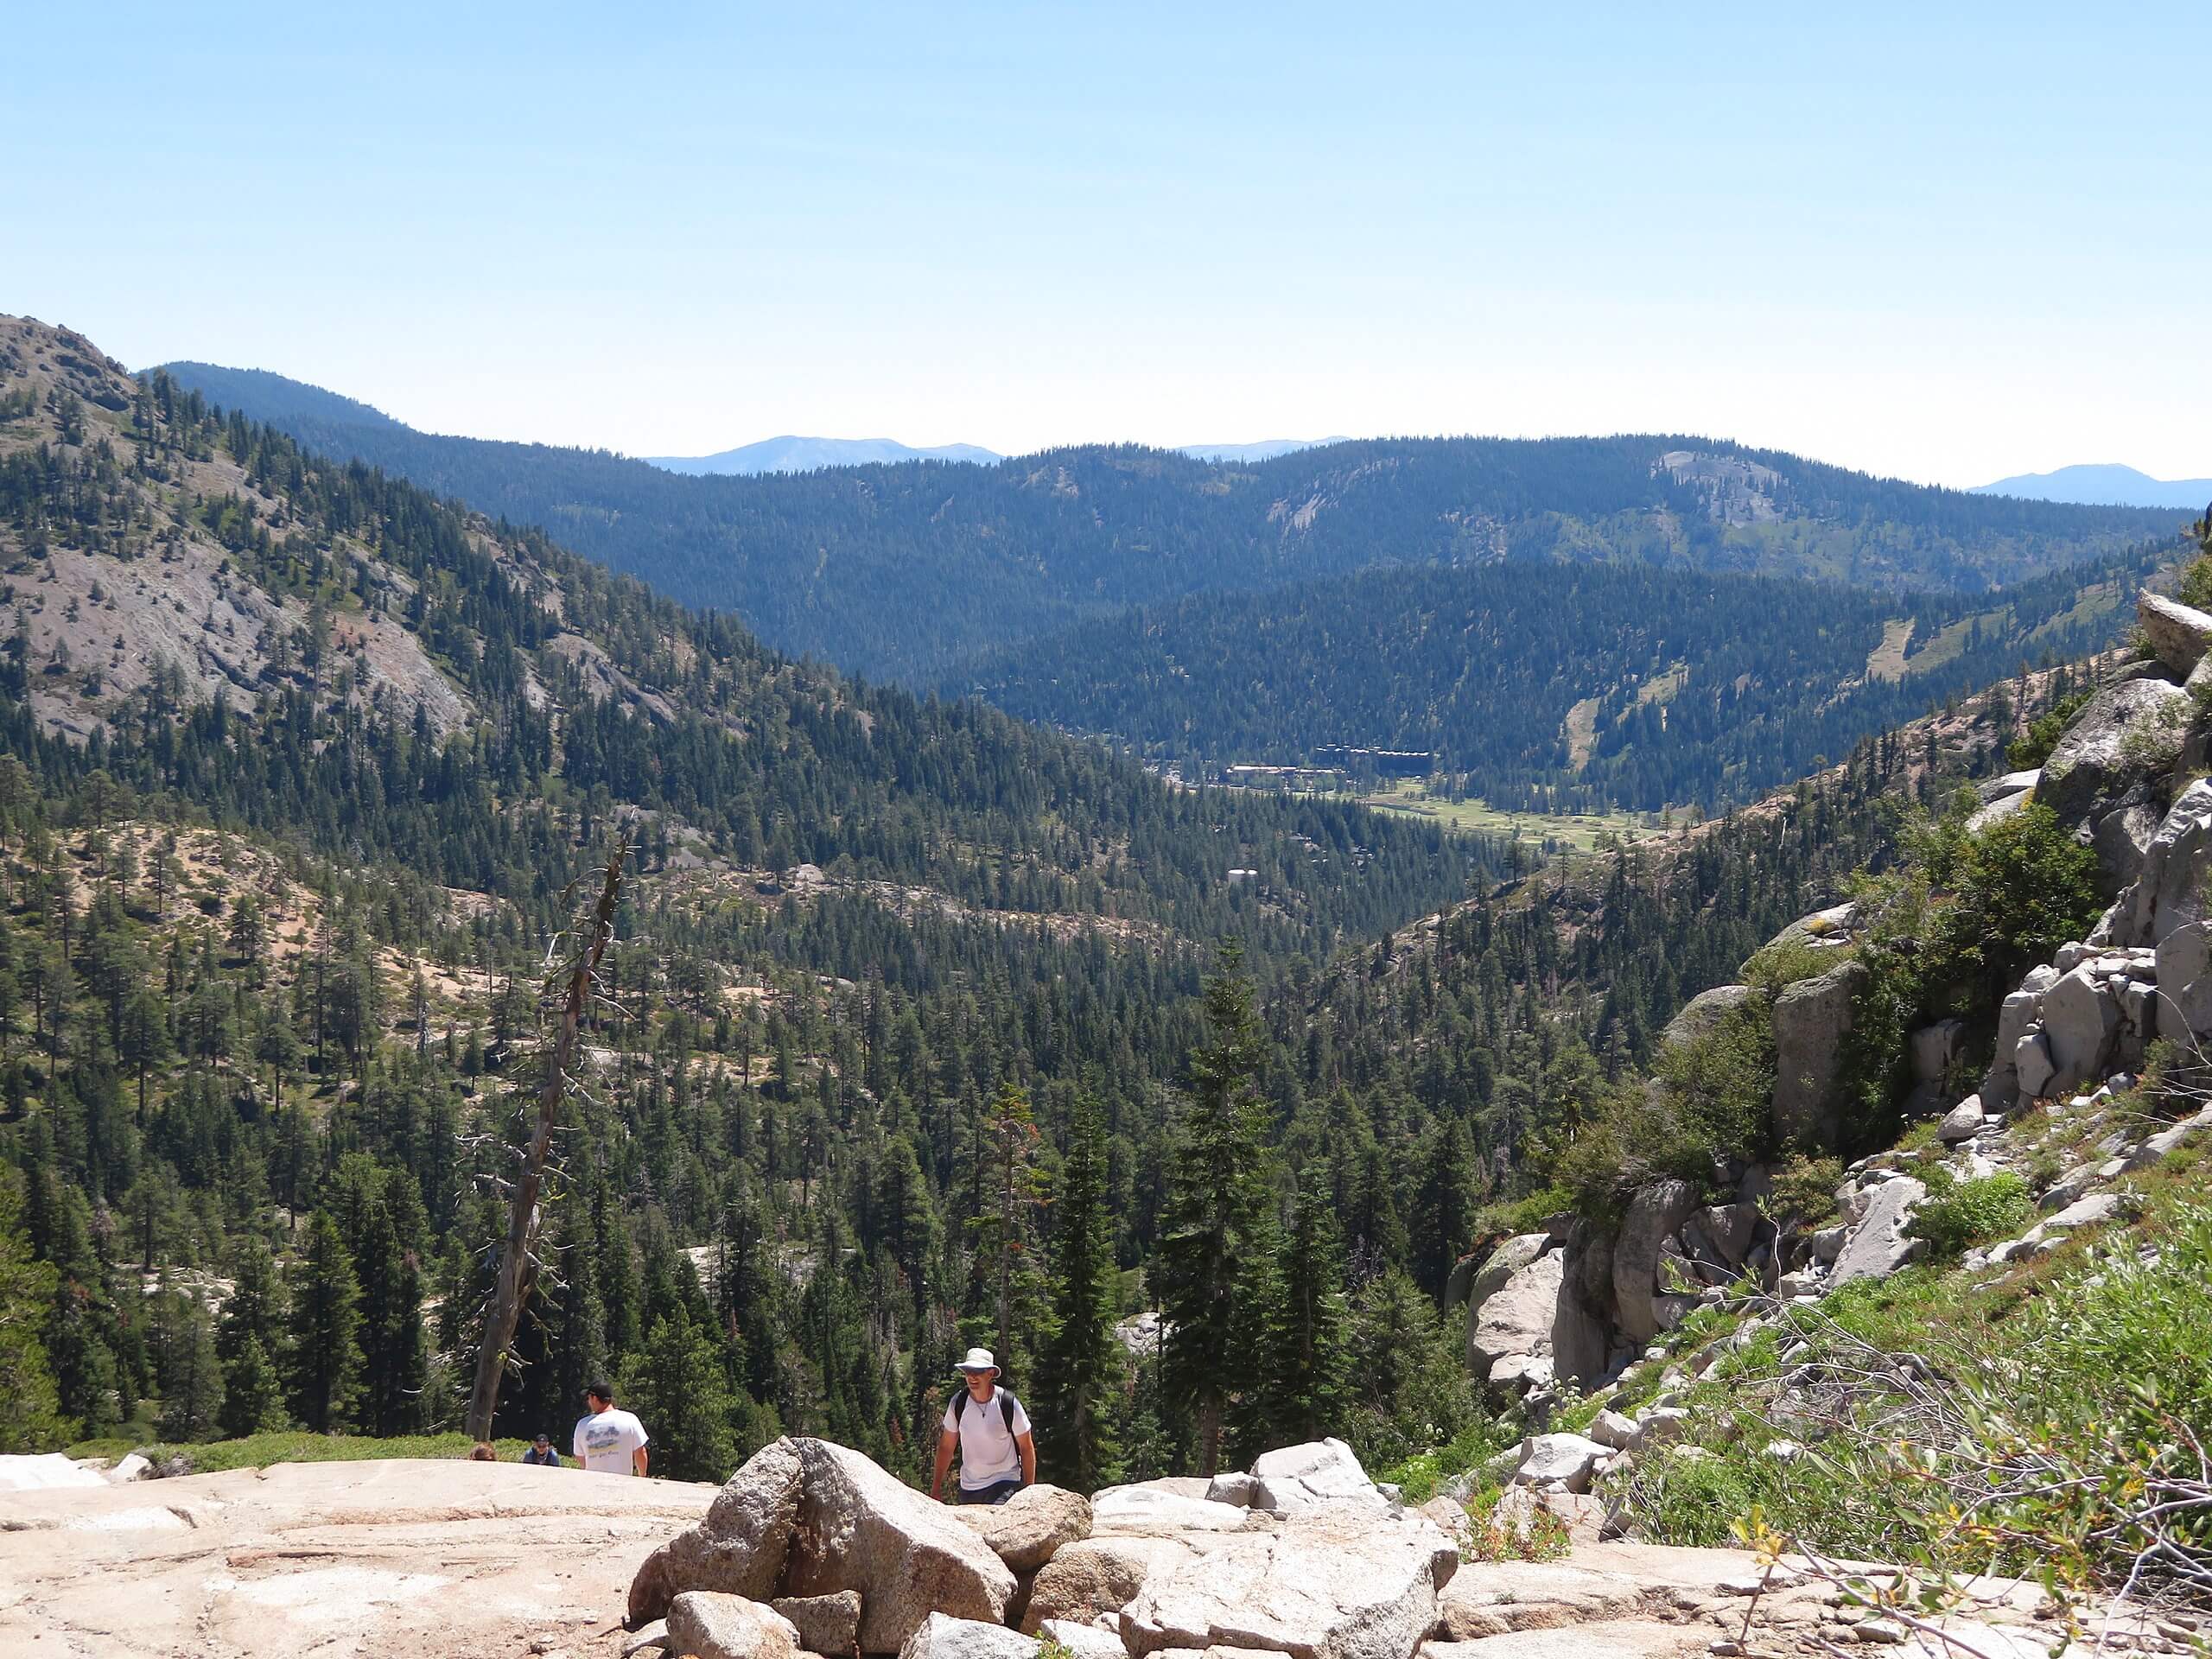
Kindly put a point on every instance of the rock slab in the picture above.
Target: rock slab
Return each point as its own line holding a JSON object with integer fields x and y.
{"x": 713, "y": 1626}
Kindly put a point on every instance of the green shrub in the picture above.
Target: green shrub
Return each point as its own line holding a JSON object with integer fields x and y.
{"x": 2033, "y": 747}
{"x": 1966, "y": 1213}
{"x": 1777, "y": 966}
{"x": 1804, "y": 1189}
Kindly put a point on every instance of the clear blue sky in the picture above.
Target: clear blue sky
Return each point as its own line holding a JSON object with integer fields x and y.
{"x": 1948, "y": 242}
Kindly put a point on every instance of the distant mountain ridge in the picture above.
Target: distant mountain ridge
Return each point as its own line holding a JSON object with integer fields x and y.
{"x": 2102, "y": 486}
{"x": 799, "y": 454}
{"x": 902, "y": 571}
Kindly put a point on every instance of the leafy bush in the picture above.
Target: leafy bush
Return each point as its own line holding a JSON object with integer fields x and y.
{"x": 1777, "y": 966}
{"x": 1805, "y": 1188}
{"x": 2033, "y": 747}
{"x": 1419, "y": 1477}
{"x": 1971, "y": 1212}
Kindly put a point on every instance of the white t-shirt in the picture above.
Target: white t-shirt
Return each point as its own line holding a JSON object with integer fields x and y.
{"x": 605, "y": 1439}
{"x": 988, "y": 1452}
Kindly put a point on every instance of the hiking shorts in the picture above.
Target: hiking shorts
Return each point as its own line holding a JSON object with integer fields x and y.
{"x": 997, "y": 1492}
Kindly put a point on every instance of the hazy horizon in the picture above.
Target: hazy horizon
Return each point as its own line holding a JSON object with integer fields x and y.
{"x": 1930, "y": 247}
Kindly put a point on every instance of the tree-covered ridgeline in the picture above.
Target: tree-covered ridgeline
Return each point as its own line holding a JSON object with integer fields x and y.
{"x": 1582, "y": 688}
{"x": 838, "y": 564}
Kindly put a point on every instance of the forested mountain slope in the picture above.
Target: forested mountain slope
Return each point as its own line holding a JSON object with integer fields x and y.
{"x": 310, "y": 648}
{"x": 1578, "y": 688}
{"x": 898, "y": 571}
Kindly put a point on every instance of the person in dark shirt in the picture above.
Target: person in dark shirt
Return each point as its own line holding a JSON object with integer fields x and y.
{"x": 540, "y": 1452}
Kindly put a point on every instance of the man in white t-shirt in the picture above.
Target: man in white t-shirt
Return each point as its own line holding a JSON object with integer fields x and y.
{"x": 987, "y": 1427}
{"x": 609, "y": 1442}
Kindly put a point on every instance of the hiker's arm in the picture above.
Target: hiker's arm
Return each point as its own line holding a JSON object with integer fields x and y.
{"x": 946, "y": 1440}
{"x": 637, "y": 1459}
{"x": 1028, "y": 1444}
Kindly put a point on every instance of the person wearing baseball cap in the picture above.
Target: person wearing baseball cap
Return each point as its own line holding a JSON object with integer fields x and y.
{"x": 987, "y": 1427}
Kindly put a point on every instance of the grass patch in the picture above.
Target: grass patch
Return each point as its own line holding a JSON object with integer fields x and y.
{"x": 296, "y": 1445}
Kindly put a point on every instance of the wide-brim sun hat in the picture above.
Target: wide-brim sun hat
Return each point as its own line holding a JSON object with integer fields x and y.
{"x": 979, "y": 1359}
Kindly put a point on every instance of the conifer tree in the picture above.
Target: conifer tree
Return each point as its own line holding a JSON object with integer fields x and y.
{"x": 676, "y": 1385}
{"x": 1216, "y": 1192}
{"x": 33, "y": 1421}
{"x": 1309, "y": 1359}
{"x": 323, "y": 1369}
{"x": 1080, "y": 1372}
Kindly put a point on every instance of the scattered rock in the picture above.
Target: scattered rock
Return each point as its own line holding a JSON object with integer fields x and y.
{"x": 710, "y": 1625}
{"x": 1155, "y": 1509}
{"x": 1961, "y": 1123}
{"x": 2032, "y": 1065}
{"x": 825, "y": 1624}
{"x": 1232, "y": 1486}
{"x": 1612, "y": 1429}
{"x": 2081, "y": 1021}
{"x": 1878, "y": 1246}
{"x": 942, "y": 1636}
{"x": 2176, "y": 634}
{"x": 1098, "y": 1575}
{"x": 1084, "y": 1641}
{"x": 1568, "y": 1458}
{"x": 1654, "y": 1212}
{"x": 654, "y": 1635}
{"x": 1027, "y": 1529}
{"x": 1333, "y": 1583}
{"x": 1296, "y": 1477}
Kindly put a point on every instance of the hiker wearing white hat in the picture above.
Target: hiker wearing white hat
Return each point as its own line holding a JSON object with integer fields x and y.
{"x": 998, "y": 1454}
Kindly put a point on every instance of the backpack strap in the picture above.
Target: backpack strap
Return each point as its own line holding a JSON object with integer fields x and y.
{"x": 1000, "y": 1398}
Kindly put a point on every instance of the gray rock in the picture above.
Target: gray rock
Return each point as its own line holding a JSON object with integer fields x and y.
{"x": 2012, "y": 783}
{"x": 2121, "y": 840}
{"x": 1334, "y": 1584}
{"x": 2176, "y": 634}
{"x": 1297, "y": 1477}
{"x": 1823, "y": 927}
{"x": 1811, "y": 1020}
{"x": 809, "y": 1517}
{"x": 1620, "y": 1432}
{"x": 1721, "y": 1237}
{"x": 2125, "y": 735}
{"x": 1102, "y": 1575}
{"x": 1026, "y": 1530}
{"x": 2083, "y": 1212}
{"x": 1934, "y": 1047}
{"x": 2081, "y": 1022}
{"x": 2168, "y": 892}
{"x": 654, "y": 1635}
{"x": 1827, "y": 1243}
{"x": 1703, "y": 1012}
{"x": 1532, "y": 1316}
{"x": 2032, "y": 1065}
{"x": 2185, "y": 980}
{"x": 1985, "y": 818}
{"x": 1153, "y": 1509}
{"x": 1568, "y": 1459}
{"x": 1499, "y": 1266}
{"x": 1232, "y": 1487}
{"x": 710, "y": 1625}
{"x": 942, "y": 1636}
{"x": 1654, "y": 1212}
{"x": 1878, "y": 1246}
{"x": 824, "y": 1623}
{"x": 2160, "y": 1147}
{"x": 1961, "y": 1123}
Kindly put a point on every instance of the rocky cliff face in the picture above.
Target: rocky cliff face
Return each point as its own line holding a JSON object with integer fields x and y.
{"x": 1579, "y": 1304}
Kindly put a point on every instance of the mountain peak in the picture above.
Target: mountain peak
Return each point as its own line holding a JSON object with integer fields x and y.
{"x": 2106, "y": 484}
{"x": 792, "y": 453}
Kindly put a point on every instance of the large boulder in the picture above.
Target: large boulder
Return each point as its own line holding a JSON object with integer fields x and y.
{"x": 2175, "y": 632}
{"x": 2080, "y": 1024}
{"x": 1719, "y": 1239}
{"x": 941, "y": 1636}
{"x": 1160, "y": 1509}
{"x": 1702, "y": 1013}
{"x": 1097, "y": 1576}
{"x": 808, "y": 1517}
{"x": 2119, "y": 745}
{"x": 1027, "y": 1529}
{"x": 1333, "y": 1583}
{"x": 2169, "y": 889}
{"x": 1568, "y": 1458}
{"x": 2185, "y": 980}
{"x": 1640, "y": 1307}
{"x": 1519, "y": 1318}
{"x": 1499, "y": 1266}
{"x": 1811, "y": 1020}
{"x": 1934, "y": 1047}
{"x": 1296, "y": 1478}
{"x": 739, "y": 1548}
{"x": 1877, "y": 1246}
{"x": 710, "y": 1625}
